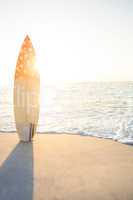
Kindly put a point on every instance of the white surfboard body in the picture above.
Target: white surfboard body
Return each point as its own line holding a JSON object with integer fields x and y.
{"x": 26, "y": 92}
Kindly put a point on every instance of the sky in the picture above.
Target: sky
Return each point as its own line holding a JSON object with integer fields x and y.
{"x": 74, "y": 40}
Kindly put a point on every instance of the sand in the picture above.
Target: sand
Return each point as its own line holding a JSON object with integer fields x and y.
{"x": 65, "y": 167}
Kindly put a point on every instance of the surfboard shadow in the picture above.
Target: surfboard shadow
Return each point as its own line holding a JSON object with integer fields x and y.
{"x": 16, "y": 174}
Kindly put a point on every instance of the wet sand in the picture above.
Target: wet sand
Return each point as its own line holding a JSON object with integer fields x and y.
{"x": 65, "y": 167}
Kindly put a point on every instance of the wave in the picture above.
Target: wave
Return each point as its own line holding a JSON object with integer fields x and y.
{"x": 123, "y": 135}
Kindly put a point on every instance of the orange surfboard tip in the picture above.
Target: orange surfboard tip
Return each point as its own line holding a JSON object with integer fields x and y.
{"x": 27, "y": 37}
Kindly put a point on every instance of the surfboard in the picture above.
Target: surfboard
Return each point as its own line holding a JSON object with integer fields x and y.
{"x": 26, "y": 92}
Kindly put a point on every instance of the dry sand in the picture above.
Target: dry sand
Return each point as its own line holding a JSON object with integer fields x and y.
{"x": 65, "y": 167}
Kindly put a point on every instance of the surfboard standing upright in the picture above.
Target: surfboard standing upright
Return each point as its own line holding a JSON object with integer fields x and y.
{"x": 26, "y": 92}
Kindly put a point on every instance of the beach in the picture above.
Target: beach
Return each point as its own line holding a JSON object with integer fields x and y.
{"x": 65, "y": 167}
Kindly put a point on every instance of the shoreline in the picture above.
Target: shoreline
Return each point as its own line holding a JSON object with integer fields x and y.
{"x": 63, "y": 167}
{"x": 124, "y": 140}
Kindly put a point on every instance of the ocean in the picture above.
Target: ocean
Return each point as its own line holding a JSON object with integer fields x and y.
{"x": 100, "y": 109}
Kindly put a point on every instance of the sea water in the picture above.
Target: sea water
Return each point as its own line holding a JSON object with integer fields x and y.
{"x": 101, "y": 109}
